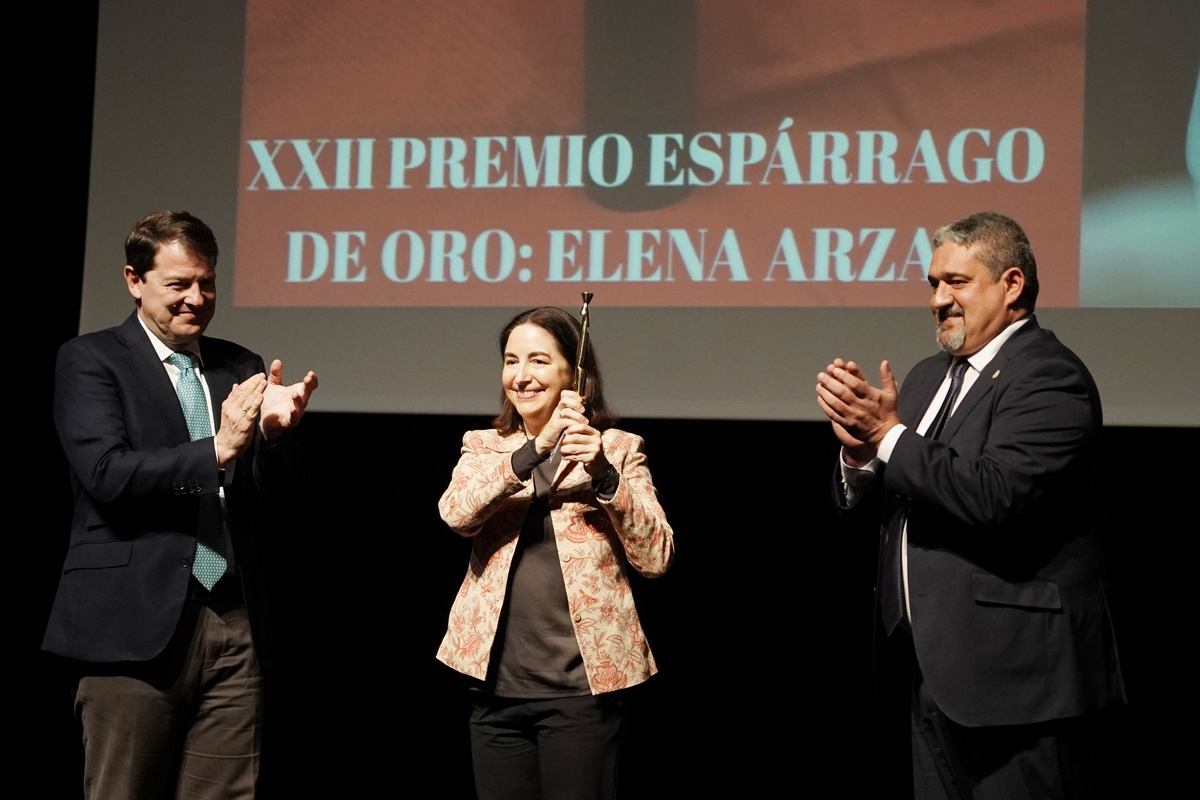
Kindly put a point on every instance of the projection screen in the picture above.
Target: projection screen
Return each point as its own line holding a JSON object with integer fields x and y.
{"x": 748, "y": 189}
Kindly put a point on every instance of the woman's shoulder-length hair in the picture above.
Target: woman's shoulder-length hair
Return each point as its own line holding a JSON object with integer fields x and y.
{"x": 565, "y": 330}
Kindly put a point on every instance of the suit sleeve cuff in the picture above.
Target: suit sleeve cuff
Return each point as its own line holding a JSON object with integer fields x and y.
{"x": 855, "y": 481}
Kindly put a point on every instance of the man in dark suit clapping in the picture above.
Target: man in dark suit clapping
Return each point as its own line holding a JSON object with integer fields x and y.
{"x": 178, "y": 450}
{"x": 990, "y": 570}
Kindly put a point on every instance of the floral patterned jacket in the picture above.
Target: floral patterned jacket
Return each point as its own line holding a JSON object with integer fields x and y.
{"x": 595, "y": 538}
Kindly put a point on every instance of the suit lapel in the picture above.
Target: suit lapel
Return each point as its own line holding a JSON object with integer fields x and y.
{"x": 144, "y": 364}
{"x": 219, "y": 374}
{"x": 983, "y": 384}
{"x": 988, "y": 377}
{"x": 922, "y": 387}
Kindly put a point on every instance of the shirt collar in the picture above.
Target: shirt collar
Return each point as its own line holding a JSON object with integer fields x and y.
{"x": 164, "y": 352}
{"x": 986, "y": 353}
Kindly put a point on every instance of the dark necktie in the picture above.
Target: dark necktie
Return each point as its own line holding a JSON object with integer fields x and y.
{"x": 956, "y": 381}
{"x": 891, "y": 599}
{"x": 209, "y": 563}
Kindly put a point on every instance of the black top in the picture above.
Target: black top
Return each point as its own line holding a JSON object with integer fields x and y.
{"x": 536, "y": 653}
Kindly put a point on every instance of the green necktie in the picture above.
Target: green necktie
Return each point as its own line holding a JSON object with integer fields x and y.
{"x": 209, "y": 564}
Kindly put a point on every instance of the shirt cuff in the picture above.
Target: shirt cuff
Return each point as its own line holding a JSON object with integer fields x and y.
{"x": 606, "y": 485}
{"x": 856, "y": 480}
{"x": 525, "y": 459}
{"x": 889, "y": 442}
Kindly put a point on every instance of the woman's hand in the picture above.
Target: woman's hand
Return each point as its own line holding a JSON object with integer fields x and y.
{"x": 559, "y": 421}
{"x": 580, "y": 441}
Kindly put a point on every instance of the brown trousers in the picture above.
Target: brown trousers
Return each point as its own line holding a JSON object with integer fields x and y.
{"x": 186, "y": 725}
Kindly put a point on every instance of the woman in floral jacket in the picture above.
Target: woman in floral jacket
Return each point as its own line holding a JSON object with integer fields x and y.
{"x": 558, "y": 505}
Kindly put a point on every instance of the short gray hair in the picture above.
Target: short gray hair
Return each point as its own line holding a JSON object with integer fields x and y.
{"x": 999, "y": 243}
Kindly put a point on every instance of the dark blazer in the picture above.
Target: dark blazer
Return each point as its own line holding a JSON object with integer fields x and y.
{"x": 1009, "y": 617}
{"x": 136, "y": 476}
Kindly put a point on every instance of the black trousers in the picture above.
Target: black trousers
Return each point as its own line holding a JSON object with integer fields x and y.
{"x": 1052, "y": 760}
{"x": 555, "y": 749}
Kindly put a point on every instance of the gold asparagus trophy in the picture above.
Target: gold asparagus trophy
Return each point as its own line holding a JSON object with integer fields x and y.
{"x": 584, "y": 319}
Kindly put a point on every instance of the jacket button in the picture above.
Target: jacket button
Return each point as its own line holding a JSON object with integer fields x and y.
{"x": 185, "y": 562}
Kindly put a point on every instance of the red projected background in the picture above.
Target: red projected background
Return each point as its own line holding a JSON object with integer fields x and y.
{"x": 487, "y": 152}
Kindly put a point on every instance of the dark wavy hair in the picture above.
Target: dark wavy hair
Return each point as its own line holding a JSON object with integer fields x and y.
{"x": 162, "y": 228}
{"x": 565, "y": 330}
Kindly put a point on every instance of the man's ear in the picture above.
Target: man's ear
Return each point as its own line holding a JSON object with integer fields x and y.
{"x": 1014, "y": 285}
{"x": 133, "y": 283}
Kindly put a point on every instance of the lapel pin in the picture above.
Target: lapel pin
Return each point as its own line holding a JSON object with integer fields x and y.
{"x": 995, "y": 374}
